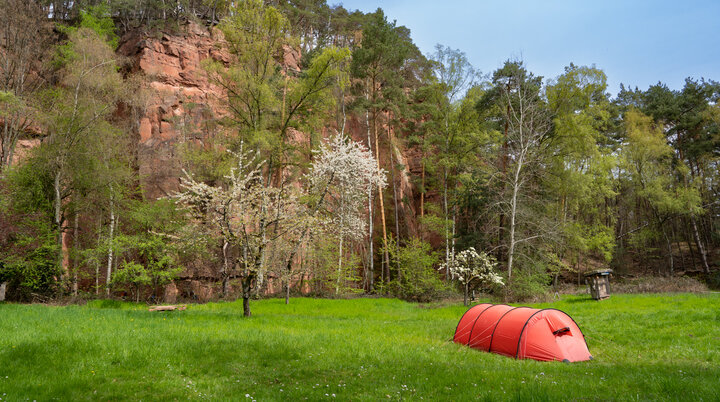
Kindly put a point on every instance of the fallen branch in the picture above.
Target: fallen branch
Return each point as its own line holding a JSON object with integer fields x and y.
{"x": 167, "y": 308}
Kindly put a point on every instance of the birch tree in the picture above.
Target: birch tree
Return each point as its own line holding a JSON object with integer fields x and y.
{"x": 516, "y": 96}
{"x": 24, "y": 34}
{"x": 77, "y": 114}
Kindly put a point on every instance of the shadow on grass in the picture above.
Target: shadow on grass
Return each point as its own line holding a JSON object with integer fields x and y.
{"x": 580, "y": 299}
{"x": 114, "y": 304}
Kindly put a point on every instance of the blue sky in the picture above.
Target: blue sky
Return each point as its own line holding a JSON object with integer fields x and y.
{"x": 636, "y": 42}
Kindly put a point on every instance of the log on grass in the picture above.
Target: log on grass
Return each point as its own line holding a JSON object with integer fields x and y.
{"x": 167, "y": 308}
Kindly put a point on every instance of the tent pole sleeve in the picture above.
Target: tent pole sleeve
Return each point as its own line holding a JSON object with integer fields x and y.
{"x": 474, "y": 322}
{"x": 498, "y": 323}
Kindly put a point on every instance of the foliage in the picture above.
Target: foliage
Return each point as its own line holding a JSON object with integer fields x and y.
{"x": 28, "y": 246}
{"x": 156, "y": 243}
{"x": 416, "y": 277}
{"x": 28, "y": 262}
{"x": 469, "y": 266}
{"x": 327, "y": 277}
{"x": 553, "y": 175}
{"x": 133, "y": 275}
{"x": 339, "y": 178}
{"x": 241, "y": 214}
{"x": 529, "y": 284}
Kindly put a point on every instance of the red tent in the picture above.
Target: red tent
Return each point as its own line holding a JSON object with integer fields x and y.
{"x": 522, "y": 333}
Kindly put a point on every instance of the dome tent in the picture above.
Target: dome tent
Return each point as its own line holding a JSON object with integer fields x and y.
{"x": 522, "y": 333}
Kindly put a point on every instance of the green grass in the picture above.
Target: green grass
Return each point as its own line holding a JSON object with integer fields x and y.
{"x": 646, "y": 347}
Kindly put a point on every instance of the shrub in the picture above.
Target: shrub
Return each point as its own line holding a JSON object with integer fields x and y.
{"x": 528, "y": 285}
{"x": 132, "y": 277}
{"x": 416, "y": 279}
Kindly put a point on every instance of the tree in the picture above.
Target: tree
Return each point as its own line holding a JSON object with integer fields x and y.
{"x": 472, "y": 270}
{"x": 152, "y": 246}
{"x": 28, "y": 240}
{"x": 266, "y": 98}
{"x": 377, "y": 64}
{"x": 581, "y": 183}
{"x": 516, "y": 96}
{"x": 455, "y": 75}
{"x": 689, "y": 121}
{"x": 77, "y": 117}
{"x": 339, "y": 179}
{"x": 646, "y": 162}
{"x": 241, "y": 212}
{"x": 24, "y": 35}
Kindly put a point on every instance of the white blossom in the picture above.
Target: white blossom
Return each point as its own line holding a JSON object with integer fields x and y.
{"x": 469, "y": 266}
{"x": 341, "y": 174}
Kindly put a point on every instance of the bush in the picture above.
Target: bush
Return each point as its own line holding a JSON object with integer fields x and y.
{"x": 29, "y": 260}
{"x": 132, "y": 277}
{"x": 528, "y": 286}
{"x": 31, "y": 275}
{"x": 416, "y": 278}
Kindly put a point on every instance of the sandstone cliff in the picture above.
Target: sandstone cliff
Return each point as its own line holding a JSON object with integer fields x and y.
{"x": 181, "y": 100}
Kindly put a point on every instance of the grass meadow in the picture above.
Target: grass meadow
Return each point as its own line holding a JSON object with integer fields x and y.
{"x": 646, "y": 347}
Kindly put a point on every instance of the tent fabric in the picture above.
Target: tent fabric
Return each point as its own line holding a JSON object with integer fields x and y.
{"x": 522, "y": 333}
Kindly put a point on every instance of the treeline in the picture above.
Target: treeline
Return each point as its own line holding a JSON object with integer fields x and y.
{"x": 546, "y": 178}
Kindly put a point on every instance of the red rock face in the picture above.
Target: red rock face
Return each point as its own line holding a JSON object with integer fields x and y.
{"x": 179, "y": 98}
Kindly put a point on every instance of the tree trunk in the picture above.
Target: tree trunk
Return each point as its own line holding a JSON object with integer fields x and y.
{"x": 224, "y": 274}
{"x": 386, "y": 262}
{"x": 680, "y": 251}
{"x": 668, "y": 246}
{"x": 246, "y": 304}
{"x": 246, "y": 283}
{"x": 452, "y": 238}
{"x": 58, "y": 226}
{"x": 513, "y": 214}
{"x": 503, "y": 170}
{"x": 422, "y": 179}
{"x": 422, "y": 193}
{"x": 97, "y": 263}
{"x": 445, "y": 200}
{"x": 287, "y": 290}
{"x": 395, "y": 196}
{"x": 371, "y": 255}
{"x": 445, "y": 223}
{"x": 75, "y": 255}
{"x": 214, "y": 9}
{"x": 698, "y": 243}
{"x": 465, "y": 294}
{"x": 339, "y": 269}
{"x": 108, "y": 276}
{"x": 689, "y": 235}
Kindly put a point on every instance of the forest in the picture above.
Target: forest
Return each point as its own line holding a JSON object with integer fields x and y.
{"x": 333, "y": 159}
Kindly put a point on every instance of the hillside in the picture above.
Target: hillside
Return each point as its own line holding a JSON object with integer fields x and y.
{"x": 200, "y": 150}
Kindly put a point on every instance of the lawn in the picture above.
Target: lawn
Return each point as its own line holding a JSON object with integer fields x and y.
{"x": 646, "y": 347}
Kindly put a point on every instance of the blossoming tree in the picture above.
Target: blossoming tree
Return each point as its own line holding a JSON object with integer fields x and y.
{"x": 473, "y": 269}
{"x": 250, "y": 215}
{"x": 341, "y": 174}
{"x": 345, "y": 170}
{"x": 242, "y": 210}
